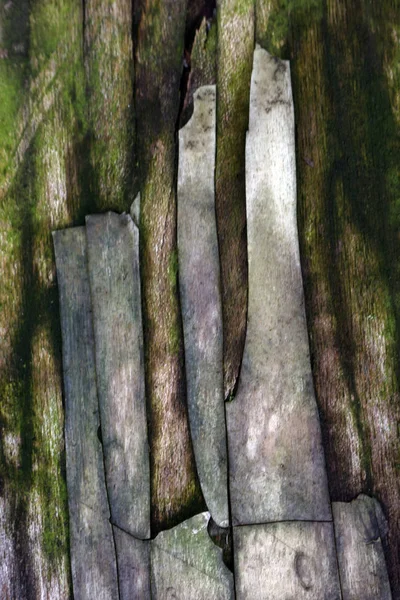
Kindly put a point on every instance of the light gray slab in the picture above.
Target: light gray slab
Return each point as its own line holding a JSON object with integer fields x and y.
{"x": 199, "y": 284}
{"x": 133, "y": 558}
{"x": 359, "y": 526}
{"x": 286, "y": 561}
{"x": 276, "y": 460}
{"x": 113, "y": 251}
{"x": 185, "y": 564}
{"x": 93, "y": 561}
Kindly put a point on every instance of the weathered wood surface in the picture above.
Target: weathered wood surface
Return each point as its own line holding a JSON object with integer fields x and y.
{"x": 113, "y": 264}
{"x": 109, "y": 69}
{"x": 133, "y": 559}
{"x": 359, "y": 527}
{"x": 186, "y": 564}
{"x": 276, "y": 460}
{"x": 93, "y": 559}
{"x": 175, "y": 490}
{"x": 286, "y": 561}
{"x": 235, "y": 19}
{"x": 199, "y": 285}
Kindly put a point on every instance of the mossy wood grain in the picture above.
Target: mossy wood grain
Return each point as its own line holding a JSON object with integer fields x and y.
{"x": 175, "y": 490}
{"x": 235, "y": 20}
{"x": 346, "y": 86}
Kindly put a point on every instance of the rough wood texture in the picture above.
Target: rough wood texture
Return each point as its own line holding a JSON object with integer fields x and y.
{"x": 175, "y": 489}
{"x": 346, "y": 85}
{"x": 186, "y": 564}
{"x": 282, "y": 561}
{"x": 93, "y": 559}
{"x": 199, "y": 285}
{"x": 133, "y": 557}
{"x": 113, "y": 263}
{"x": 235, "y": 20}
{"x": 41, "y": 90}
{"x": 110, "y": 78}
{"x": 359, "y": 527}
{"x": 276, "y": 460}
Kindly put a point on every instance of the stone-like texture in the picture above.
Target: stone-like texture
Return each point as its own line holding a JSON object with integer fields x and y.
{"x": 235, "y": 20}
{"x": 113, "y": 253}
{"x": 186, "y": 564}
{"x": 359, "y": 527}
{"x": 277, "y": 469}
{"x": 199, "y": 284}
{"x": 93, "y": 559}
{"x": 133, "y": 557}
{"x": 286, "y": 561}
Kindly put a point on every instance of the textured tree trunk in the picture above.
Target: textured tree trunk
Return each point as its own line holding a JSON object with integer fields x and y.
{"x": 91, "y": 96}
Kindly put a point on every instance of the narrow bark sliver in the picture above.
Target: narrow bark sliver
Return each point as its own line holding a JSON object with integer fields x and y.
{"x": 93, "y": 560}
{"x": 277, "y": 466}
{"x": 113, "y": 252}
{"x": 199, "y": 284}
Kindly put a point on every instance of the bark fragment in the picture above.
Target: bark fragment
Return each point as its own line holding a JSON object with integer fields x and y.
{"x": 93, "y": 559}
{"x": 359, "y": 528}
{"x": 286, "y": 561}
{"x": 276, "y": 460}
{"x": 199, "y": 284}
{"x": 186, "y": 564}
{"x": 113, "y": 265}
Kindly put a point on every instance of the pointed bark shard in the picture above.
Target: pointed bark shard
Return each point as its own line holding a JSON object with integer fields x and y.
{"x": 113, "y": 252}
{"x": 286, "y": 561}
{"x": 199, "y": 283}
{"x": 359, "y": 527}
{"x": 133, "y": 558}
{"x": 93, "y": 560}
{"x": 135, "y": 210}
{"x": 186, "y": 564}
{"x": 277, "y": 467}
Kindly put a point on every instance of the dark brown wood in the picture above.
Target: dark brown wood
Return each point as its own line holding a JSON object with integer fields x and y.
{"x": 175, "y": 491}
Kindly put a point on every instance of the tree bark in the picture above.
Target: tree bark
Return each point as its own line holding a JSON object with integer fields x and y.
{"x": 90, "y": 101}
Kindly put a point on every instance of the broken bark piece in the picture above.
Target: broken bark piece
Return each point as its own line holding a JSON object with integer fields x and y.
{"x": 93, "y": 560}
{"x": 277, "y": 467}
{"x": 199, "y": 285}
{"x": 286, "y": 561}
{"x": 359, "y": 527}
{"x": 113, "y": 252}
{"x": 186, "y": 564}
{"x": 133, "y": 558}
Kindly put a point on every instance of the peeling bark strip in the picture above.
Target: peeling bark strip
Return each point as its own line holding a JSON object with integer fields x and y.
{"x": 277, "y": 469}
{"x": 113, "y": 253}
{"x": 93, "y": 559}
{"x": 234, "y": 62}
{"x": 186, "y": 564}
{"x": 359, "y": 527}
{"x": 285, "y": 561}
{"x": 133, "y": 558}
{"x": 175, "y": 490}
{"x": 199, "y": 284}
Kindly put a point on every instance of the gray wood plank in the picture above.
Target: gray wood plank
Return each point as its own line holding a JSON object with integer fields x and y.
{"x": 359, "y": 527}
{"x": 276, "y": 460}
{"x": 199, "y": 284}
{"x": 93, "y": 560}
{"x": 286, "y": 561}
{"x": 186, "y": 564}
{"x": 133, "y": 557}
{"x": 113, "y": 252}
